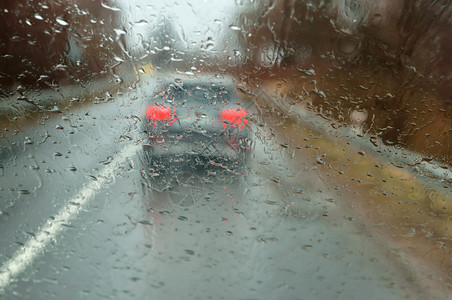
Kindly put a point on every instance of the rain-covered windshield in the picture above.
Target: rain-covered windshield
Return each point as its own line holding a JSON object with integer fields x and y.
{"x": 198, "y": 91}
{"x": 243, "y": 149}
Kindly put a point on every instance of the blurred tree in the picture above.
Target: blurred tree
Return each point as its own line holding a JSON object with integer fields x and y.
{"x": 386, "y": 59}
{"x": 44, "y": 44}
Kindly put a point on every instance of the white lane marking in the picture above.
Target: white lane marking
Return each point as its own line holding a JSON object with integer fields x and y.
{"x": 36, "y": 245}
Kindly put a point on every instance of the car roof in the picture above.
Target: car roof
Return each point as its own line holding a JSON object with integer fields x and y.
{"x": 202, "y": 81}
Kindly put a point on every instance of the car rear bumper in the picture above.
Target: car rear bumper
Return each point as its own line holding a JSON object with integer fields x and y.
{"x": 185, "y": 148}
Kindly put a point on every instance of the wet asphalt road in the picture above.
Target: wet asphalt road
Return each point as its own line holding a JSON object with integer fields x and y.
{"x": 79, "y": 221}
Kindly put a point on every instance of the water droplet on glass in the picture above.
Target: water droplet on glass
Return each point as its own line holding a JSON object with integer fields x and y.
{"x": 309, "y": 72}
{"x": 189, "y": 252}
{"x": 266, "y": 239}
{"x": 275, "y": 179}
{"x": 28, "y": 141}
{"x": 241, "y": 88}
{"x": 120, "y": 31}
{"x": 109, "y": 7}
{"x": 348, "y": 45}
{"x": 61, "y": 21}
{"x": 375, "y": 20}
{"x": 141, "y": 22}
{"x": 145, "y": 222}
{"x": 61, "y": 67}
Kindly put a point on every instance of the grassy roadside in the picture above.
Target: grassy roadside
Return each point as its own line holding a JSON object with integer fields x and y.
{"x": 408, "y": 210}
{"x": 22, "y": 111}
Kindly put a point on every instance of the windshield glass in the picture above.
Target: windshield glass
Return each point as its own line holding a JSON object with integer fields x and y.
{"x": 243, "y": 149}
{"x": 198, "y": 91}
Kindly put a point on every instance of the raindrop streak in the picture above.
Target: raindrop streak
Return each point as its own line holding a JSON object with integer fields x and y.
{"x": 145, "y": 222}
{"x": 141, "y": 22}
{"x": 189, "y": 252}
{"x": 109, "y": 7}
{"x": 310, "y": 72}
{"x": 266, "y": 239}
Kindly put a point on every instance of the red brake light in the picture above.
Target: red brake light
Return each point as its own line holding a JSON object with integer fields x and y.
{"x": 160, "y": 113}
{"x": 234, "y": 117}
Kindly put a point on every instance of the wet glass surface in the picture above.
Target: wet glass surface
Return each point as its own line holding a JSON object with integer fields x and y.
{"x": 235, "y": 150}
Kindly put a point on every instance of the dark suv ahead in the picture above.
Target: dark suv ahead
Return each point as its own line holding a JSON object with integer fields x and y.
{"x": 196, "y": 124}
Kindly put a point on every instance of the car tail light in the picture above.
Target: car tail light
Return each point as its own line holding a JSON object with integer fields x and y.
{"x": 234, "y": 117}
{"x": 160, "y": 113}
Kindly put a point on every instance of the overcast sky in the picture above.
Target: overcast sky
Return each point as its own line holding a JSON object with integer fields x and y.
{"x": 195, "y": 20}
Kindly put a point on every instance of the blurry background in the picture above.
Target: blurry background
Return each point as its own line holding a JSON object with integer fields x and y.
{"x": 351, "y": 169}
{"x": 383, "y": 66}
